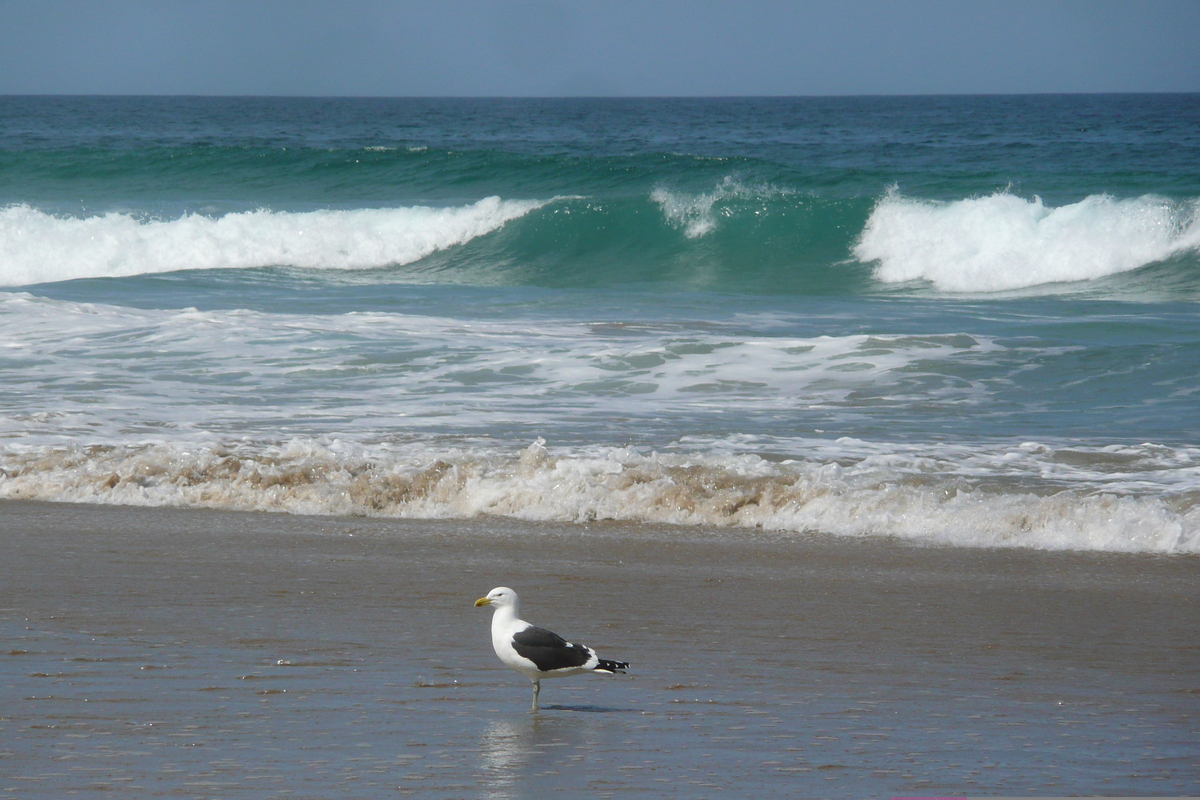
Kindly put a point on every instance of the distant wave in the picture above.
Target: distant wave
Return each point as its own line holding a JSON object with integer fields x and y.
{"x": 1003, "y": 242}
{"x": 734, "y": 236}
{"x": 889, "y": 495}
{"x": 36, "y": 247}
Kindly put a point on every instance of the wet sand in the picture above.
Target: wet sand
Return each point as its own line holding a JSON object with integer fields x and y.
{"x": 160, "y": 652}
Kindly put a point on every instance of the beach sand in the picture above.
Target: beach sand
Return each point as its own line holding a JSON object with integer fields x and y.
{"x": 190, "y": 653}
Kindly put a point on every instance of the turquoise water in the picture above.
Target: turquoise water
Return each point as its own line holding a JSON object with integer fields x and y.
{"x": 966, "y": 320}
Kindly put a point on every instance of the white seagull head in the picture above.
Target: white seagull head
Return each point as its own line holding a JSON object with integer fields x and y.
{"x": 501, "y": 597}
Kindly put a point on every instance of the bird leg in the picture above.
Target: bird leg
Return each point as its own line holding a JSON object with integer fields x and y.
{"x": 537, "y": 688}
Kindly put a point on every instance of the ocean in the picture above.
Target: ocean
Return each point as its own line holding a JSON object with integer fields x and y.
{"x": 865, "y": 429}
{"x": 962, "y": 321}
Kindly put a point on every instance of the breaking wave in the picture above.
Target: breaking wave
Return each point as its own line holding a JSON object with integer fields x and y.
{"x": 36, "y": 247}
{"x": 697, "y": 214}
{"x": 741, "y": 235}
{"x": 1003, "y": 242}
{"x": 877, "y": 496}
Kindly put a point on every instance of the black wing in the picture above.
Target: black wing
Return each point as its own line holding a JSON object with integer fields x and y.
{"x": 549, "y": 651}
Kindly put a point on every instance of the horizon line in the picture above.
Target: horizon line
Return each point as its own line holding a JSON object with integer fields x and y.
{"x": 589, "y": 96}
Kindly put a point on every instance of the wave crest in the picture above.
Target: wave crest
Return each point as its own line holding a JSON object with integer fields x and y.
{"x": 36, "y": 247}
{"x": 1003, "y": 242}
{"x": 697, "y": 214}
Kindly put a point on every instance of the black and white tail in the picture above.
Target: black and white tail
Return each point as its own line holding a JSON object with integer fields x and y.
{"x": 611, "y": 667}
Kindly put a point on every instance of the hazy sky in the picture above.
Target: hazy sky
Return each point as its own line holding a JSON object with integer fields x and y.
{"x": 604, "y": 47}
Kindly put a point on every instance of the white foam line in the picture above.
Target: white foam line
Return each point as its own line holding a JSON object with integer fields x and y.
{"x": 732, "y": 491}
{"x": 36, "y": 247}
{"x": 1003, "y": 242}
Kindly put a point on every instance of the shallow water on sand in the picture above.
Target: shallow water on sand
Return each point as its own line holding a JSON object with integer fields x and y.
{"x": 157, "y": 652}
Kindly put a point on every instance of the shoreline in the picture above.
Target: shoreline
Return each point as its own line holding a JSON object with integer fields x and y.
{"x": 306, "y": 476}
{"x": 816, "y": 665}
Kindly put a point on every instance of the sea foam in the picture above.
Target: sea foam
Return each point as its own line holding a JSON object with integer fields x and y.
{"x": 1003, "y": 242}
{"x": 36, "y": 247}
{"x": 867, "y": 498}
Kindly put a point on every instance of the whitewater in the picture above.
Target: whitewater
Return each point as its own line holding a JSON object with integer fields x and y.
{"x": 1003, "y": 242}
{"x": 908, "y": 318}
{"x": 979, "y": 244}
{"x": 36, "y": 247}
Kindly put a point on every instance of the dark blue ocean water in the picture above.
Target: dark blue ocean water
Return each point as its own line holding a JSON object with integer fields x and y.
{"x": 970, "y": 320}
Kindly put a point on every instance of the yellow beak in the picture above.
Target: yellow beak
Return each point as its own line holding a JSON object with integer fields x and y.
{"x": 483, "y": 601}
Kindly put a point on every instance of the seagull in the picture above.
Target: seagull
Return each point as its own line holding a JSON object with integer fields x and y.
{"x": 535, "y": 652}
